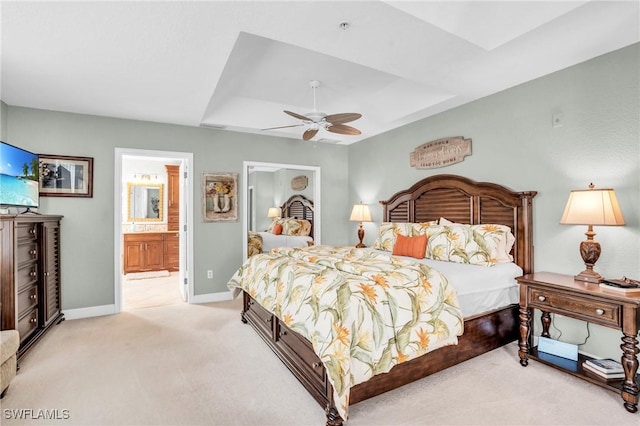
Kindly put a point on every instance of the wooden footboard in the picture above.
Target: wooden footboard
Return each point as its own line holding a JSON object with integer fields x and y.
{"x": 482, "y": 334}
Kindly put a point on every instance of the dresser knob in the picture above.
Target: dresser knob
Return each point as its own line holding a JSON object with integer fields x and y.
{"x": 33, "y": 297}
{"x": 33, "y": 320}
{"x": 33, "y": 274}
{"x": 542, "y": 298}
{"x": 32, "y": 252}
{"x": 599, "y": 311}
{"x": 316, "y": 365}
{"x": 32, "y": 231}
{"x": 283, "y": 333}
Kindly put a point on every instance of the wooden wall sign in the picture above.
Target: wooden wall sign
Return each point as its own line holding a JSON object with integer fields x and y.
{"x": 440, "y": 153}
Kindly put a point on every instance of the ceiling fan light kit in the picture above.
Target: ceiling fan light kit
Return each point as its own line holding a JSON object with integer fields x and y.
{"x": 316, "y": 120}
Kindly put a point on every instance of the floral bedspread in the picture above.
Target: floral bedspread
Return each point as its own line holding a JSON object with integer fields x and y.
{"x": 362, "y": 310}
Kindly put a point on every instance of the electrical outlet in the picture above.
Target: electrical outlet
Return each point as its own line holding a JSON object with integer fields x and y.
{"x": 209, "y": 274}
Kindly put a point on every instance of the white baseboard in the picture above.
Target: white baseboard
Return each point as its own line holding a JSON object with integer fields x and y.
{"x": 96, "y": 311}
{"x": 92, "y": 311}
{"x": 212, "y": 297}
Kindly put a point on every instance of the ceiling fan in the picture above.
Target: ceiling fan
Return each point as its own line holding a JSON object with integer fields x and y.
{"x": 317, "y": 120}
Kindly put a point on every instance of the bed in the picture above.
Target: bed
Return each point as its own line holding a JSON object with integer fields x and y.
{"x": 459, "y": 200}
{"x": 298, "y": 208}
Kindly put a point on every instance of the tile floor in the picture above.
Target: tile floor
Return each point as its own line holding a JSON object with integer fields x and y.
{"x": 148, "y": 292}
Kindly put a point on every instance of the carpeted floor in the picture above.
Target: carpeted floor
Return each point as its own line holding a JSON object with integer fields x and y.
{"x": 184, "y": 364}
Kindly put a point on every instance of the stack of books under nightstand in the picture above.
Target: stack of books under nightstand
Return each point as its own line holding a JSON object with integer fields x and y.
{"x": 607, "y": 369}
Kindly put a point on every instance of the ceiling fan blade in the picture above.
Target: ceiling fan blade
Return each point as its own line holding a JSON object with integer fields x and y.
{"x": 284, "y": 127}
{"x": 298, "y": 116}
{"x": 342, "y": 118}
{"x": 343, "y": 129}
{"x": 308, "y": 134}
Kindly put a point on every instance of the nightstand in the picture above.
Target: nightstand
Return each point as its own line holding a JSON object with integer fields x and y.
{"x": 561, "y": 294}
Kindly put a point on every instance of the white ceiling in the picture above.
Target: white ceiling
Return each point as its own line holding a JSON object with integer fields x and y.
{"x": 239, "y": 64}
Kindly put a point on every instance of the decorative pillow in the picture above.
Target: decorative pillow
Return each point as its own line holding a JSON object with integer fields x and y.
{"x": 390, "y": 230}
{"x": 305, "y": 228}
{"x": 410, "y": 246}
{"x": 445, "y": 221}
{"x": 388, "y": 233}
{"x": 484, "y": 245}
{"x": 277, "y": 229}
{"x": 291, "y": 226}
{"x": 272, "y": 224}
{"x": 422, "y": 227}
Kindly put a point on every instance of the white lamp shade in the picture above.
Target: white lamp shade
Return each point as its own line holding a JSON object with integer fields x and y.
{"x": 592, "y": 207}
{"x": 360, "y": 213}
{"x": 273, "y": 212}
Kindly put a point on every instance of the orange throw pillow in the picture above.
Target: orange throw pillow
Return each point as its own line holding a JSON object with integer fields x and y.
{"x": 277, "y": 229}
{"x": 410, "y": 246}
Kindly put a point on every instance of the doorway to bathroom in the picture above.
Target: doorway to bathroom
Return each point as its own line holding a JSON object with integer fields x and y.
{"x": 153, "y": 206}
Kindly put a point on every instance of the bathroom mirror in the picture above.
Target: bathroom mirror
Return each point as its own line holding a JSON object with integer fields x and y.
{"x": 144, "y": 202}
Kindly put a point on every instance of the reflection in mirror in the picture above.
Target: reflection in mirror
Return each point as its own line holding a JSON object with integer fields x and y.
{"x": 144, "y": 202}
{"x": 269, "y": 185}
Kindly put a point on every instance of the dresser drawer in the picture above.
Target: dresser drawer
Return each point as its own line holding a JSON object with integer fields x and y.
{"x": 26, "y": 232}
{"x": 26, "y": 275}
{"x": 28, "y": 324}
{"x": 27, "y": 299}
{"x": 587, "y": 309}
{"x": 26, "y": 253}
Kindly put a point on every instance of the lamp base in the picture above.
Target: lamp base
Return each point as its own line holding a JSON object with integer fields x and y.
{"x": 589, "y": 276}
{"x": 360, "y": 237}
{"x": 590, "y": 252}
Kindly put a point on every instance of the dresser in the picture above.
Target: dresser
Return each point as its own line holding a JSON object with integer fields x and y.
{"x": 30, "y": 274}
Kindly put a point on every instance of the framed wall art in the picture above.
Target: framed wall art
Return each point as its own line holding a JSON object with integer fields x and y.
{"x": 220, "y": 197}
{"x": 65, "y": 176}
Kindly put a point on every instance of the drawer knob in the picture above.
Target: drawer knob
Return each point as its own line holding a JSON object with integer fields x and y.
{"x": 32, "y": 252}
{"x": 33, "y": 320}
{"x": 542, "y": 298}
{"x": 316, "y": 365}
{"x": 268, "y": 320}
{"x": 33, "y": 274}
{"x": 32, "y": 231}
{"x": 32, "y": 297}
{"x": 599, "y": 311}
{"x": 283, "y": 333}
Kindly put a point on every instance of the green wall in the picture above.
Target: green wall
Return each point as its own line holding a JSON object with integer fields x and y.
{"x": 515, "y": 144}
{"x": 88, "y": 224}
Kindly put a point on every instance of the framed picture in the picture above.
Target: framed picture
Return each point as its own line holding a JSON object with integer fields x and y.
{"x": 220, "y": 197}
{"x": 65, "y": 176}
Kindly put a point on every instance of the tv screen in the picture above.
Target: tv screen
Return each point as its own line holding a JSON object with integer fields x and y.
{"x": 19, "y": 174}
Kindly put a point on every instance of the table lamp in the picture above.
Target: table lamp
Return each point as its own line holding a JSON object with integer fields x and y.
{"x": 360, "y": 213}
{"x": 273, "y": 212}
{"x": 591, "y": 207}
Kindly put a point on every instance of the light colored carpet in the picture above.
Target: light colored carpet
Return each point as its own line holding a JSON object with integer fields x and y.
{"x": 184, "y": 364}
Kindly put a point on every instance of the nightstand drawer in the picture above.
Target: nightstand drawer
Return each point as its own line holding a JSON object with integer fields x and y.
{"x": 596, "y": 311}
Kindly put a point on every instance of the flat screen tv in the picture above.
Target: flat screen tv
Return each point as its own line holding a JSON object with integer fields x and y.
{"x": 19, "y": 175}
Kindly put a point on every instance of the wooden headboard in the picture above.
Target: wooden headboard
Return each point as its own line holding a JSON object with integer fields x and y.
{"x": 299, "y": 207}
{"x": 463, "y": 200}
